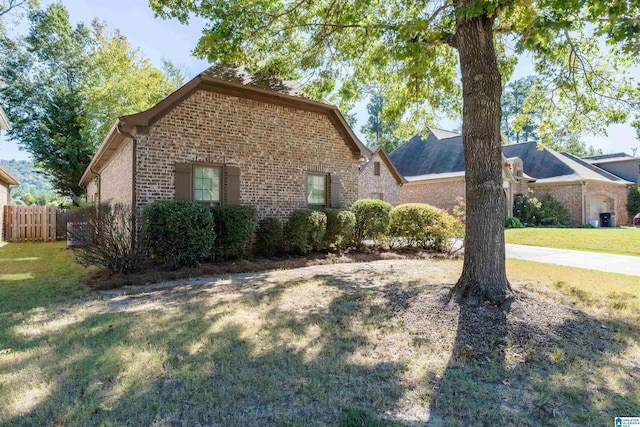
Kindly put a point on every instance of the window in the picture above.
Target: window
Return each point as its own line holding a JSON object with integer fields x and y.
{"x": 206, "y": 184}
{"x": 376, "y": 168}
{"x": 377, "y": 196}
{"x": 316, "y": 190}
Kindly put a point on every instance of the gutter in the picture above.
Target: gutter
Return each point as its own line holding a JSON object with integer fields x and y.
{"x": 583, "y": 186}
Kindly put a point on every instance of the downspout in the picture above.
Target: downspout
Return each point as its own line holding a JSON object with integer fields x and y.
{"x": 583, "y": 185}
{"x": 99, "y": 184}
{"x": 134, "y": 149}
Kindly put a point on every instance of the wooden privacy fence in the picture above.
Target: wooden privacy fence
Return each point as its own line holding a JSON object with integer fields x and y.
{"x": 29, "y": 223}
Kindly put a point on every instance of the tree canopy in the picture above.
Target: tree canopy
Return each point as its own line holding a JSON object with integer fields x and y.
{"x": 62, "y": 87}
{"x": 415, "y": 48}
{"x": 378, "y": 130}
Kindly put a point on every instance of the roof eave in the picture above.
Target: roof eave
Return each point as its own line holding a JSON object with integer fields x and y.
{"x": 7, "y": 178}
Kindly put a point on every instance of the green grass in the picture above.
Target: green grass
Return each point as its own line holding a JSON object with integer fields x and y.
{"x": 363, "y": 345}
{"x": 624, "y": 241}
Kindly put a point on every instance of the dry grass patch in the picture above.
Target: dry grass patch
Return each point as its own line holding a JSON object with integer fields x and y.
{"x": 344, "y": 344}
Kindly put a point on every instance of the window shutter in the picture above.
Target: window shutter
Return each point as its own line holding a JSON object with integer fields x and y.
{"x": 335, "y": 191}
{"x": 232, "y": 184}
{"x": 183, "y": 181}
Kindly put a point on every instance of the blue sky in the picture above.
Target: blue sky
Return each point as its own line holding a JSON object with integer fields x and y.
{"x": 170, "y": 39}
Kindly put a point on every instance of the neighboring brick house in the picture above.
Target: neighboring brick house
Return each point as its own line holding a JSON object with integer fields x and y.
{"x": 379, "y": 178}
{"x": 227, "y": 137}
{"x": 6, "y": 183}
{"x": 434, "y": 169}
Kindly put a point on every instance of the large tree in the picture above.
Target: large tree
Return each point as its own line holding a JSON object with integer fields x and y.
{"x": 518, "y": 125}
{"x": 62, "y": 87}
{"x": 415, "y": 48}
{"x": 378, "y": 130}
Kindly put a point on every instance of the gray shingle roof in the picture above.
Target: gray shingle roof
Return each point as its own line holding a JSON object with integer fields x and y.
{"x": 608, "y": 156}
{"x": 435, "y": 157}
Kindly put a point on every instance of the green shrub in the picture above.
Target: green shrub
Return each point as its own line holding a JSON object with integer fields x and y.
{"x": 234, "y": 226}
{"x": 269, "y": 237}
{"x": 546, "y": 212}
{"x": 424, "y": 226}
{"x": 305, "y": 230}
{"x": 372, "y": 219}
{"x": 341, "y": 225}
{"x": 512, "y": 222}
{"x": 633, "y": 202}
{"x": 178, "y": 233}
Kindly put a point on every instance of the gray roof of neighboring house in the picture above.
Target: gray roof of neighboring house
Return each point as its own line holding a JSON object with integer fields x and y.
{"x": 607, "y": 156}
{"x": 429, "y": 156}
{"x": 610, "y": 158}
{"x": 4, "y": 121}
{"x": 435, "y": 157}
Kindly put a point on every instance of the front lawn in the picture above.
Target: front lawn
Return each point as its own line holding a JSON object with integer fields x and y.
{"x": 345, "y": 344}
{"x": 624, "y": 241}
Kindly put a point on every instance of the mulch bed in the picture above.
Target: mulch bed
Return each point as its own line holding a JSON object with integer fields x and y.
{"x": 103, "y": 280}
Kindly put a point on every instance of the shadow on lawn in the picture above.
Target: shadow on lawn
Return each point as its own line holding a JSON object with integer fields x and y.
{"x": 506, "y": 370}
{"x": 198, "y": 361}
{"x": 203, "y": 366}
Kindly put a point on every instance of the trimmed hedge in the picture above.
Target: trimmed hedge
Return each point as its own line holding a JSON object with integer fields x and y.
{"x": 269, "y": 237}
{"x": 234, "y": 226}
{"x": 304, "y": 231}
{"x": 372, "y": 219}
{"x": 341, "y": 226}
{"x": 633, "y": 202}
{"x": 424, "y": 226}
{"x": 512, "y": 222}
{"x": 178, "y": 233}
{"x": 546, "y": 212}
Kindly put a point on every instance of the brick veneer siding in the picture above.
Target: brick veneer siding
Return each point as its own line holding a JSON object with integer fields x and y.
{"x": 384, "y": 183}
{"x": 569, "y": 195}
{"x": 441, "y": 194}
{"x": 618, "y": 193}
{"x": 115, "y": 180}
{"x": 274, "y": 147}
{"x": 4, "y": 201}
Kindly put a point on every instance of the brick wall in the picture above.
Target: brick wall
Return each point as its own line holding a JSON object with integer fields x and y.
{"x": 274, "y": 147}
{"x": 569, "y": 195}
{"x": 4, "y": 200}
{"x": 441, "y": 194}
{"x": 384, "y": 183}
{"x": 619, "y": 195}
{"x": 116, "y": 178}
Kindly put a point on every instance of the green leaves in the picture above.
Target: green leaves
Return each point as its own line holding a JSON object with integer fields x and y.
{"x": 64, "y": 87}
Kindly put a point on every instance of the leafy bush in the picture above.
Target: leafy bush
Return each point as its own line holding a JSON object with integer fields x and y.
{"x": 178, "y": 233}
{"x": 372, "y": 219}
{"x": 305, "y": 230}
{"x": 633, "y": 202}
{"x": 104, "y": 237}
{"x": 424, "y": 226}
{"x": 234, "y": 227}
{"x": 512, "y": 222}
{"x": 533, "y": 212}
{"x": 341, "y": 225}
{"x": 269, "y": 237}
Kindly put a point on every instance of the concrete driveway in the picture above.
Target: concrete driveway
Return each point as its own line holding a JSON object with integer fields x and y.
{"x": 623, "y": 264}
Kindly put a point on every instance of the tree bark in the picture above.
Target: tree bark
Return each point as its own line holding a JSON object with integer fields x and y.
{"x": 484, "y": 275}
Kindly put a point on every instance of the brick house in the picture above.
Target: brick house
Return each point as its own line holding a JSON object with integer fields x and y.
{"x": 6, "y": 183}
{"x": 379, "y": 178}
{"x": 228, "y": 137}
{"x": 434, "y": 169}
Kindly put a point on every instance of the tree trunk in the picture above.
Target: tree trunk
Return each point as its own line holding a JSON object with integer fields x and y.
{"x": 484, "y": 275}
